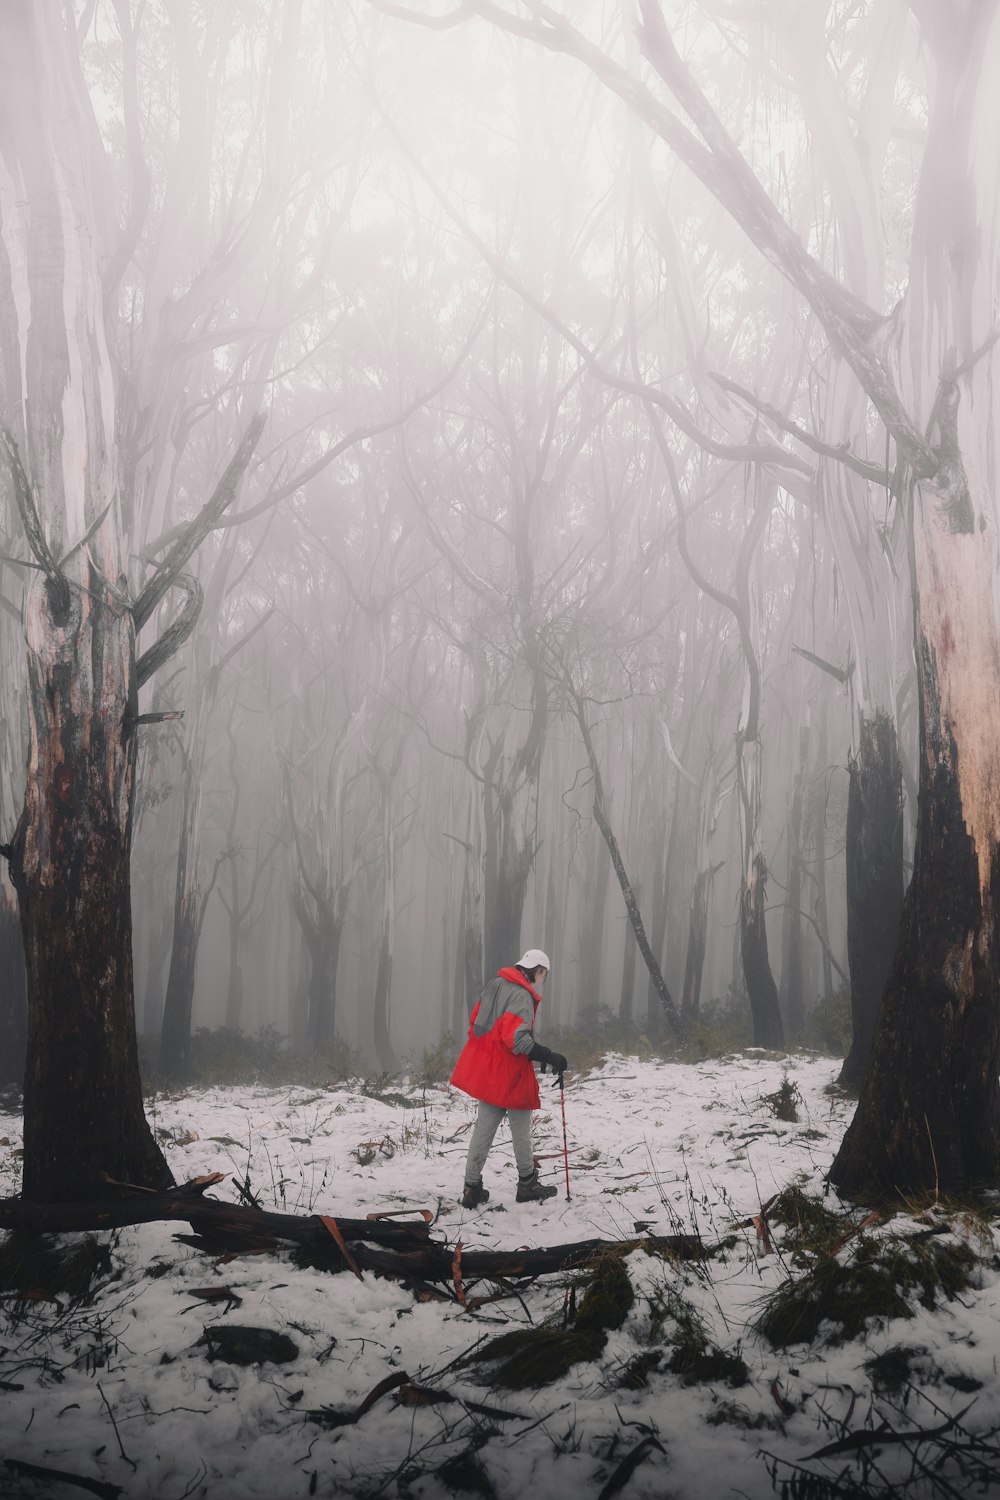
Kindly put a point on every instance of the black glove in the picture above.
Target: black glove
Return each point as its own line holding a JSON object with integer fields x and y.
{"x": 547, "y": 1058}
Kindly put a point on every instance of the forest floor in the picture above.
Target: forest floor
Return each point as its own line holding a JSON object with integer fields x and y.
{"x": 881, "y": 1342}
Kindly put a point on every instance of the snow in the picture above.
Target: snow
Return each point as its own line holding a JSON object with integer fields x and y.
{"x": 121, "y": 1390}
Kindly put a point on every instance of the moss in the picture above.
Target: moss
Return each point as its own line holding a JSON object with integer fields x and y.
{"x": 529, "y": 1358}
{"x": 609, "y": 1297}
{"x": 880, "y": 1280}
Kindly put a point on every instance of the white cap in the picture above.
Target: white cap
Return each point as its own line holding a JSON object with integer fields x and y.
{"x": 534, "y": 958}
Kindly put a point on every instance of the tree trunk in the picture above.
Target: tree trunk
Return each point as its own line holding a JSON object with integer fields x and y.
{"x": 13, "y": 996}
{"x": 874, "y": 882}
{"x": 83, "y": 1116}
{"x": 694, "y": 964}
{"x": 322, "y": 931}
{"x": 384, "y": 1051}
{"x": 666, "y": 844}
{"x": 625, "y": 1005}
{"x": 761, "y": 989}
{"x": 175, "y": 1031}
{"x": 82, "y": 1094}
{"x": 158, "y": 950}
{"x": 792, "y": 996}
{"x": 927, "y": 1117}
{"x": 510, "y": 888}
{"x": 592, "y": 948}
{"x": 666, "y": 1000}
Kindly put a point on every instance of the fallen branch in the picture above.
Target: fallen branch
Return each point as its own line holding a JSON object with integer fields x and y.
{"x": 62, "y": 1476}
{"x": 404, "y": 1250}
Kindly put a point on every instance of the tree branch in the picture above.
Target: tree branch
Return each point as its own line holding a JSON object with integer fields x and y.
{"x": 874, "y": 473}
{"x": 842, "y": 674}
{"x": 56, "y": 583}
{"x": 195, "y": 532}
{"x": 176, "y": 634}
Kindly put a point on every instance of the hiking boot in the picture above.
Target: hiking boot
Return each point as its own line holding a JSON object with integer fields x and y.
{"x": 530, "y": 1190}
{"x": 474, "y": 1193}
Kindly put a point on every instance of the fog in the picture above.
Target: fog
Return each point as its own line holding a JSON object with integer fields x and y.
{"x": 552, "y": 486}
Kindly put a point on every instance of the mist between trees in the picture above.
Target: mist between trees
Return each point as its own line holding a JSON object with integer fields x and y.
{"x": 493, "y": 477}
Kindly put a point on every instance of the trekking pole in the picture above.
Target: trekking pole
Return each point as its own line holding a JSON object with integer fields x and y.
{"x": 562, "y": 1101}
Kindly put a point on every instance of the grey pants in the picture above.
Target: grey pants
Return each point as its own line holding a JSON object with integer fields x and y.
{"x": 486, "y": 1126}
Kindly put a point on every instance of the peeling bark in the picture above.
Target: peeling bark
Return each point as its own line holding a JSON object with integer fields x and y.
{"x": 928, "y": 1117}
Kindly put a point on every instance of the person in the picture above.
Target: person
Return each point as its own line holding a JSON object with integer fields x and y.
{"x": 495, "y": 1067}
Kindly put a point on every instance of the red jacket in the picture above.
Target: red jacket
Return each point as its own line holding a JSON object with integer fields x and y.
{"x": 494, "y": 1065}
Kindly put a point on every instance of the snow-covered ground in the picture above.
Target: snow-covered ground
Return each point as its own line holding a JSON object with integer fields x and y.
{"x": 122, "y": 1390}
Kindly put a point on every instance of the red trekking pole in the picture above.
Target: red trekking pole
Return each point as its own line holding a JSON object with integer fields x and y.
{"x": 562, "y": 1101}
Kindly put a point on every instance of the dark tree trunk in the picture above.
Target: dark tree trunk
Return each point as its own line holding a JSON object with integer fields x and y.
{"x": 83, "y": 1114}
{"x": 761, "y": 989}
{"x": 384, "y": 1051}
{"x": 13, "y": 995}
{"x": 510, "y": 889}
{"x": 158, "y": 950}
{"x": 235, "y": 989}
{"x": 592, "y": 947}
{"x": 625, "y": 1005}
{"x": 820, "y": 907}
{"x": 666, "y": 1000}
{"x": 874, "y": 882}
{"x": 175, "y": 1032}
{"x": 662, "y": 869}
{"x": 694, "y": 965}
{"x": 792, "y": 994}
{"x": 937, "y": 1026}
{"x": 323, "y": 934}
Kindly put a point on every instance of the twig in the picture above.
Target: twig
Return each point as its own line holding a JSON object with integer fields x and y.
{"x": 107, "y": 1408}
{"x": 933, "y": 1157}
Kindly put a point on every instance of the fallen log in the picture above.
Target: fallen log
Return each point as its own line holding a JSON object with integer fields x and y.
{"x": 402, "y": 1249}
{"x": 205, "y": 1215}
